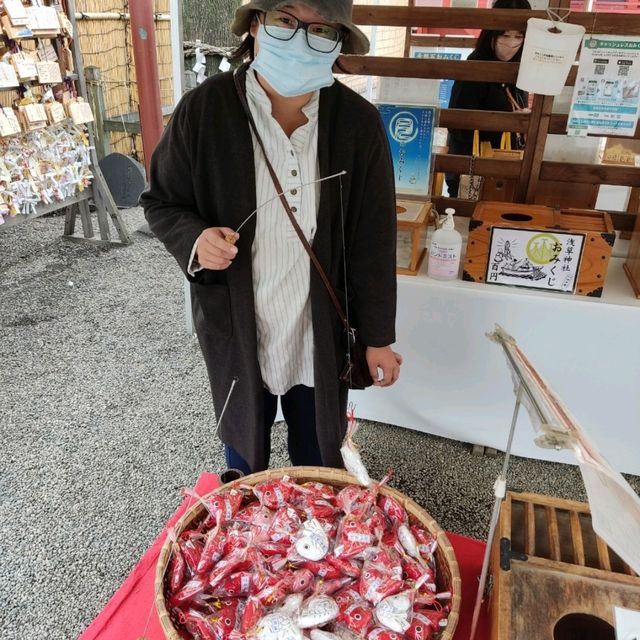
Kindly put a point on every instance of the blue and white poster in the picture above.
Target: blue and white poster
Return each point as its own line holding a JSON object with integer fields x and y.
{"x": 606, "y": 98}
{"x": 410, "y": 132}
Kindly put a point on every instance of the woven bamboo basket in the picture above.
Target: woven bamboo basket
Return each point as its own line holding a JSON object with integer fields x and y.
{"x": 448, "y": 575}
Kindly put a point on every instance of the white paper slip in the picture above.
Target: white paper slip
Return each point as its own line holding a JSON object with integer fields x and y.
{"x": 627, "y": 624}
{"x": 615, "y": 509}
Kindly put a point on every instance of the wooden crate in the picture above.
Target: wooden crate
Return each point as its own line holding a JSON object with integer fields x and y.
{"x": 412, "y": 220}
{"x": 595, "y": 226}
{"x": 552, "y": 577}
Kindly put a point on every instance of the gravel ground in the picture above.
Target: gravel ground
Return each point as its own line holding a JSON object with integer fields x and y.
{"x": 105, "y": 414}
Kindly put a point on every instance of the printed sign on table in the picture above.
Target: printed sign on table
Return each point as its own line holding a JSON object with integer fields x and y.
{"x": 410, "y": 133}
{"x": 534, "y": 259}
{"x": 606, "y": 97}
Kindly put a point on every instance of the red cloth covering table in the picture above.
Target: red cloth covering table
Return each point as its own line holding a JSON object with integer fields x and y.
{"x": 131, "y": 612}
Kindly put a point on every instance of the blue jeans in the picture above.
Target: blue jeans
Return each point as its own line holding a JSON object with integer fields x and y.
{"x": 299, "y": 410}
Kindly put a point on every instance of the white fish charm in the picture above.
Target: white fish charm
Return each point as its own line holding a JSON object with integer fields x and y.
{"x": 318, "y": 634}
{"x": 291, "y": 605}
{"x": 277, "y": 626}
{"x": 312, "y": 543}
{"x": 408, "y": 541}
{"x": 350, "y": 455}
{"x": 317, "y": 611}
{"x": 394, "y": 612}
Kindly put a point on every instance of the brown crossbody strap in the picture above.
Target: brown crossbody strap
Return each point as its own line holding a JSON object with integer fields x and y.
{"x": 285, "y": 204}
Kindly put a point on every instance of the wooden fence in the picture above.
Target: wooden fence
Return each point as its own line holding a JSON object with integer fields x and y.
{"x": 104, "y": 34}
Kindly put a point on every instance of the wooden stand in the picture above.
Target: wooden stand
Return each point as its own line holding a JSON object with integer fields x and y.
{"x": 596, "y": 226}
{"x": 413, "y": 217}
{"x": 553, "y": 577}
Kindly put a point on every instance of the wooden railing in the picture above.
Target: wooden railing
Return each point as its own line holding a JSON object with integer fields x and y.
{"x": 537, "y": 125}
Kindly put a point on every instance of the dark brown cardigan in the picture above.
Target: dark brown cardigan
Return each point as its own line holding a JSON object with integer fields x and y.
{"x": 202, "y": 175}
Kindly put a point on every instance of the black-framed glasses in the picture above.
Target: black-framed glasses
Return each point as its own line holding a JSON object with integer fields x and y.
{"x": 283, "y": 26}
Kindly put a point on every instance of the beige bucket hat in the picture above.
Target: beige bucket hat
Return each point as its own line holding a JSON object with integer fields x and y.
{"x": 332, "y": 10}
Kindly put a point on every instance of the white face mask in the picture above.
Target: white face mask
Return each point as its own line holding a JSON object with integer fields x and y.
{"x": 506, "y": 46}
{"x": 292, "y": 67}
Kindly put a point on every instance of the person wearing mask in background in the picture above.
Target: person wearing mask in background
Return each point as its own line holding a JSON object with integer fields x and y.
{"x": 261, "y": 311}
{"x": 504, "y": 46}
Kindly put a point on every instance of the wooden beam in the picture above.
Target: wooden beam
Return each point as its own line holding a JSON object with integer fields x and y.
{"x": 445, "y": 163}
{"x": 464, "y": 208}
{"x": 621, "y": 220}
{"x": 423, "y": 68}
{"x": 496, "y": 19}
{"x": 590, "y": 173}
{"x": 484, "y": 120}
{"x": 427, "y": 40}
{"x": 129, "y": 123}
{"x": 633, "y": 206}
{"x": 534, "y": 148}
{"x": 407, "y": 34}
{"x": 576, "y": 539}
{"x": 42, "y": 210}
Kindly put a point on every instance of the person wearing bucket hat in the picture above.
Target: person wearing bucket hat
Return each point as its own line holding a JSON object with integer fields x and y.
{"x": 338, "y": 11}
{"x": 265, "y": 322}
{"x": 504, "y": 46}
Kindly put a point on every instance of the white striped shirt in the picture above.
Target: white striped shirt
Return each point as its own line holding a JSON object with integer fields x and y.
{"x": 281, "y": 266}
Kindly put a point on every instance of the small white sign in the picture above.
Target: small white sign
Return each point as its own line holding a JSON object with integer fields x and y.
{"x": 534, "y": 258}
{"x": 627, "y": 624}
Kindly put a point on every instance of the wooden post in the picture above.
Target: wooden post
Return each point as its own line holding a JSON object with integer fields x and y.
{"x": 534, "y": 148}
{"x": 95, "y": 94}
{"x": 146, "y": 61}
{"x": 407, "y": 35}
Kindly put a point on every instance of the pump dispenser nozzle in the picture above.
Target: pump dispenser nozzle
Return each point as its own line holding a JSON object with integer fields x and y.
{"x": 449, "y": 224}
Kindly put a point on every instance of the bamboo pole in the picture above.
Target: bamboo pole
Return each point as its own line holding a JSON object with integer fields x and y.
{"x": 92, "y": 15}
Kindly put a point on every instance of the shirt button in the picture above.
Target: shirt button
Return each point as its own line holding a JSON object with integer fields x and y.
{"x": 294, "y": 172}
{"x": 294, "y": 209}
{"x": 293, "y": 192}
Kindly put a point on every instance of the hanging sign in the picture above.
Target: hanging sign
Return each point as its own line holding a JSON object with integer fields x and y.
{"x": 534, "y": 259}
{"x": 410, "y": 132}
{"x": 548, "y": 52}
{"x": 606, "y": 98}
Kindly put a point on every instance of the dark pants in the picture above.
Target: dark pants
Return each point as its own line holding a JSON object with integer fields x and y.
{"x": 299, "y": 410}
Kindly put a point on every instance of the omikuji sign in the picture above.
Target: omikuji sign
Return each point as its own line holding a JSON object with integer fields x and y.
{"x": 536, "y": 259}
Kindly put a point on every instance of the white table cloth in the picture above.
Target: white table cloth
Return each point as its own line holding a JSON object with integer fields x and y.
{"x": 455, "y": 382}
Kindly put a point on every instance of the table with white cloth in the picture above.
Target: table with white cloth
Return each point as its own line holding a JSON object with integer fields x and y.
{"x": 455, "y": 382}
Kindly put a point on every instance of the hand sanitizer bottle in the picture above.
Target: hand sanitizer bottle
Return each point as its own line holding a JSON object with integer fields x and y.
{"x": 445, "y": 250}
